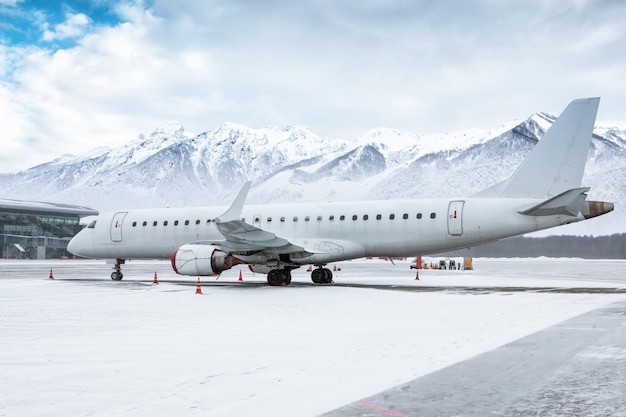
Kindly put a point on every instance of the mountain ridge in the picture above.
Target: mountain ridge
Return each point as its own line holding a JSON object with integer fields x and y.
{"x": 172, "y": 167}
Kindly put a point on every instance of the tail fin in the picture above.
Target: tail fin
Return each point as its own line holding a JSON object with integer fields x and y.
{"x": 557, "y": 162}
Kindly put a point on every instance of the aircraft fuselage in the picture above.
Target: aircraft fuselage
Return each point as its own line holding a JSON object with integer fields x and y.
{"x": 336, "y": 231}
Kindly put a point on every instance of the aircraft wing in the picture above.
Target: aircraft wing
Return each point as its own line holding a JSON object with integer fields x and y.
{"x": 241, "y": 237}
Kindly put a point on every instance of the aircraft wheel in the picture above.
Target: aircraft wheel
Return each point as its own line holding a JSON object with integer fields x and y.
{"x": 278, "y": 277}
{"x": 117, "y": 275}
{"x": 317, "y": 275}
{"x": 328, "y": 276}
{"x": 322, "y": 276}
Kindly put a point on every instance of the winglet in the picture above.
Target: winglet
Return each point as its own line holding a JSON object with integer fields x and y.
{"x": 234, "y": 211}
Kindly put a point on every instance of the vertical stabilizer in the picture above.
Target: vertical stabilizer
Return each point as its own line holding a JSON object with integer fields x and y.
{"x": 557, "y": 162}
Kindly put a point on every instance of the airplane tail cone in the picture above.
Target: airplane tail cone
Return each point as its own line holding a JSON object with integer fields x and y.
{"x": 51, "y": 276}
{"x": 155, "y": 280}
{"x": 198, "y": 287}
{"x": 240, "y": 276}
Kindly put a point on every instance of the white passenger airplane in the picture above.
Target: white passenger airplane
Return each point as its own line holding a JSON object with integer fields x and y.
{"x": 545, "y": 191}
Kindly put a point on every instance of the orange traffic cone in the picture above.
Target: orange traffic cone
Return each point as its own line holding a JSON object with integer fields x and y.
{"x": 51, "y": 276}
{"x": 155, "y": 280}
{"x": 335, "y": 268}
{"x": 198, "y": 287}
{"x": 310, "y": 269}
{"x": 240, "y": 276}
{"x": 417, "y": 275}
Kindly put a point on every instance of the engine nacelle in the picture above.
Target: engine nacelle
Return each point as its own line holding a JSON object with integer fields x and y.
{"x": 202, "y": 260}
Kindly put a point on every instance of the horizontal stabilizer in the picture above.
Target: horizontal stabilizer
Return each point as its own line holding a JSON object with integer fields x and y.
{"x": 568, "y": 203}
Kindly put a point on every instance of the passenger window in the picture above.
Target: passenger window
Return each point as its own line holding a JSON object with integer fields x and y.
{"x": 154, "y": 223}
{"x": 378, "y": 217}
{"x": 269, "y": 219}
{"x": 134, "y": 224}
{"x": 307, "y": 218}
{"x": 257, "y": 219}
{"x": 405, "y": 216}
{"x": 392, "y": 216}
{"x": 208, "y": 221}
{"x": 419, "y": 215}
{"x": 433, "y": 215}
{"x": 365, "y": 217}
{"x": 331, "y": 217}
{"x": 295, "y": 218}
{"x": 282, "y": 219}
{"x": 92, "y": 225}
{"x": 165, "y": 223}
{"x": 186, "y": 222}
{"x": 342, "y": 217}
{"x": 145, "y": 224}
{"x": 175, "y": 222}
{"x": 198, "y": 221}
{"x": 319, "y": 218}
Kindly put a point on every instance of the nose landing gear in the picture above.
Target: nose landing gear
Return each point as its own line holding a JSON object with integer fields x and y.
{"x": 117, "y": 275}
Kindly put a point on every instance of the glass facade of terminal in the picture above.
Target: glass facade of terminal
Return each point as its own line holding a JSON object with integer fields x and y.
{"x": 38, "y": 230}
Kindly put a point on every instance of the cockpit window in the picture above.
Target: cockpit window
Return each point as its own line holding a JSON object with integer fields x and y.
{"x": 92, "y": 225}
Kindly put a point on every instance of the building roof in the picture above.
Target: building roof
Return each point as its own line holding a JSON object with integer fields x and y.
{"x": 39, "y": 207}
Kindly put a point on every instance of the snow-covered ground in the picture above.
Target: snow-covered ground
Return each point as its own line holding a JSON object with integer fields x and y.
{"x": 84, "y": 345}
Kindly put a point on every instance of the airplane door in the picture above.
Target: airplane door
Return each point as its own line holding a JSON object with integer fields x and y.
{"x": 455, "y": 218}
{"x": 116, "y": 226}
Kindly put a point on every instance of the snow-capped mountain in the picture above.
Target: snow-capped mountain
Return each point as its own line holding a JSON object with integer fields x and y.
{"x": 170, "y": 167}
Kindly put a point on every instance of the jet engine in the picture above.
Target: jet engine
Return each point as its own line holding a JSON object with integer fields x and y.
{"x": 202, "y": 260}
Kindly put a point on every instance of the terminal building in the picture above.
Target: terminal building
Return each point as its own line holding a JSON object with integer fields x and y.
{"x": 36, "y": 230}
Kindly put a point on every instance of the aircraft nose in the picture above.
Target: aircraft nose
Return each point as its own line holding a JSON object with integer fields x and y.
{"x": 73, "y": 246}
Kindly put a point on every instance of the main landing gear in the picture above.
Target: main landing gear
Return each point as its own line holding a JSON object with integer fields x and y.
{"x": 281, "y": 277}
{"x": 117, "y": 275}
{"x": 322, "y": 275}
{"x": 278, "y": 277}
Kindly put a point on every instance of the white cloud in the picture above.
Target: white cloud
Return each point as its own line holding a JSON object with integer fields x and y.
{"x": 339, "y": 68}
{"x": 74, "y": 26}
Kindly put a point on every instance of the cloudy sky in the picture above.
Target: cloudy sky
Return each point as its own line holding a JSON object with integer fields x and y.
{"x": 78, "y": 74}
